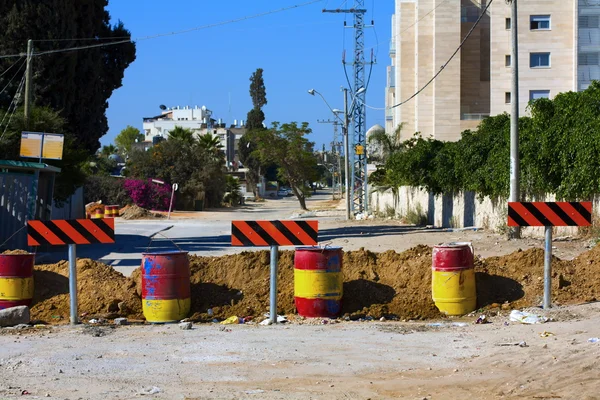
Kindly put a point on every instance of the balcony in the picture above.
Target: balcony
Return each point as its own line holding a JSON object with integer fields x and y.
{"x": 389, "y": 114}
{"x": 392, "y": 47}
{"x": 473, "y": 117}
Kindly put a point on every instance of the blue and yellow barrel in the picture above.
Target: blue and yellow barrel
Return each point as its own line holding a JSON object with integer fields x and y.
{"x": 318, "y": 281}
{"x": 165, "y": 286}
{"x": 453, "y": 278}
{"x": 16, "y": 280}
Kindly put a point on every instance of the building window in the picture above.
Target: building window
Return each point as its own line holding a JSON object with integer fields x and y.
{"x": 589, "y": 58}
{"x": 539, "y": 94}
{"x": 507, "y": 24}
{"x": 539, "y": 22}
{"x": 589, "y": 21}
{"x": 539, "y": 60}
{"x": 507, "y": 97}
{"x": 507, "y": 60}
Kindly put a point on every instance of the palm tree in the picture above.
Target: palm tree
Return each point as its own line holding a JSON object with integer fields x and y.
{"x": 212, "y": 145}
{"x": 108, "y": 150}
{"x": 389, "y": 143}
{"x": 185, "y": 135}
{"x": 210, "y": 142}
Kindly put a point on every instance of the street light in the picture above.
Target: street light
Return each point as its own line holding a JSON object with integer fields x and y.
{"x": 345, "y": 122}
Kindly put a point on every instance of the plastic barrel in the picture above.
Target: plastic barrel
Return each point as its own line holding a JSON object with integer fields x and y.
{"x": 318, "y": 281}
{"x": 165, "y": 286}
{"x": 16, "y": 280}
{"x": 98, "y": 212}
{"x": 453, "y": 278}
{"x": 115, "y": 211}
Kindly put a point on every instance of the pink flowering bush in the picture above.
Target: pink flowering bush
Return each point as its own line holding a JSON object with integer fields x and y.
{"x": 148, "y": 195}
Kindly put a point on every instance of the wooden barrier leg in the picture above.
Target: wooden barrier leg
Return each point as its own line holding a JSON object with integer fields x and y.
{"x": 548, "y": 269}
{"x": 73, "y": 283}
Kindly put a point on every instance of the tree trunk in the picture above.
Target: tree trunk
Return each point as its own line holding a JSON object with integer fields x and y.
{"x": 302, "y": 201}
{"x": 300, "y": 196}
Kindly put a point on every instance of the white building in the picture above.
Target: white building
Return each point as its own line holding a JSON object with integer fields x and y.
{"x": 200, "y": 121}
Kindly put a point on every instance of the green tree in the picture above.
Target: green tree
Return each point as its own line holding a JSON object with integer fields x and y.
{"x": 196, "y": 171}
{"x": 127, "y": 137}
{"x": 211, "y": 144}
{"x": 232, "y": 188}
{"x": 78, "y": 83}
{"x": 387, "y": 143}
{"x": 258, "y": 92}
{"x": 254, "y": 123}
{"x": 108, "y": 150}
{"x": 183, "y": 135}
{"x": 287, "y": 146}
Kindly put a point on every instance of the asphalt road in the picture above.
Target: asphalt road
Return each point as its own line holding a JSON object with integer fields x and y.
{"x": 205, "y": 233}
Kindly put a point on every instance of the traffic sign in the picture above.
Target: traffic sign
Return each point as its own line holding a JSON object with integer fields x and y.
{"x": 560, "y": 213}
{"x": 274, "y": 233}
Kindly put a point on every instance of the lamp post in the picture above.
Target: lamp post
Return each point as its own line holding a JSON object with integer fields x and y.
{"x": 349, "y": 192}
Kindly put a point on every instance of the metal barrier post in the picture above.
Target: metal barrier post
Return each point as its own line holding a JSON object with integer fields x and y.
{"x": 273, "y": 302}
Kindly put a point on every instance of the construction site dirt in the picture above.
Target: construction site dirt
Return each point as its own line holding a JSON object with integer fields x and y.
{"x": 390, "y": 341}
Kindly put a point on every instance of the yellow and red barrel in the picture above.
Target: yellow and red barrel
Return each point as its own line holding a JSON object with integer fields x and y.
{"x": 16, "y": 280}
{"x": 98, "y": 212}
{"x": 318, "y": 281}
{"x": 166, "y": 294}
{"x": 453, "y": 278}
{"x": 111, "y": 211}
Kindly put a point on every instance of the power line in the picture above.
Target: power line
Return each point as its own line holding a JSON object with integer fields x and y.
{"x": 197, "y": 28}
{"x": 13, "y": 104}
{"x": 450, "y": 59}
{"x": 9, "y": 68}
{"x": 13, "y": 77}
{"x": 416, "y": 22}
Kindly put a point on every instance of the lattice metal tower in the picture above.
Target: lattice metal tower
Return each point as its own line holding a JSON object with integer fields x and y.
{"x": 357, "y": 135}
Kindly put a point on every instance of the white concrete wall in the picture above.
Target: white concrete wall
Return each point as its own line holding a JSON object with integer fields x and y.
{"x": 457, "y": 211}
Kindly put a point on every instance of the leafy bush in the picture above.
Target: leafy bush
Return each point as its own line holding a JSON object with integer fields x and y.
{"x": 148, "y": 195}
{"x": 559, "y": 153}
{"x": 106, "y": 188}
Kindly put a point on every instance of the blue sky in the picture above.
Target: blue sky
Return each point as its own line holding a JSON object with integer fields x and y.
{"x": 298, "y": 49}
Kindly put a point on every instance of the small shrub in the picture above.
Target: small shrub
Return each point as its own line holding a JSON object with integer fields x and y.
{"x": 108, "y": 189}
{"x": 416, "y": 216}
{"x": 148, "y": 195}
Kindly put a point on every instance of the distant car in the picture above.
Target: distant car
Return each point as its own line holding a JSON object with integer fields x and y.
{"x": 283, "y": 193}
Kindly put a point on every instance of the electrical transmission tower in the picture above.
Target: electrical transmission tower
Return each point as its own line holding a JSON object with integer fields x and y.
{"x": 357, "y": 140}
{"x": 336, "y": 159}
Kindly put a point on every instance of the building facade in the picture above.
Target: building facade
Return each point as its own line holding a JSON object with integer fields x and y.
{"x": 200, "y": 121}
{"x": 559, "y": 50}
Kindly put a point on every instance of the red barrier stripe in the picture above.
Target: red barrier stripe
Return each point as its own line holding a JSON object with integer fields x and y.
{"x": 96, "y": 231}
{"x": 299, "y": 233}
{"x": 31, "y": 241}
{"x": 550, "y": 214}
{"x": 250, "y": 234}
{"x": 46, "y": 233}
{"x": 525, "y": 214}
{"x": 574, "y": 214}
{"x": 273, "y": 232}
{"x": 75, "y": 236}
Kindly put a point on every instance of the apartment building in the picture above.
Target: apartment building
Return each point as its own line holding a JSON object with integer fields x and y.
{"x": 200, "y": 121}
{"x": 559, "y": 50}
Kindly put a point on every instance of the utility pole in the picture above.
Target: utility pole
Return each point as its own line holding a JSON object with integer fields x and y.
{"x": 358, "y": 190}
{"x": 335, "y": 171}
{"x": 514, "y": 115}
{"x": 347, "y": 158}
{"x": 28, "y": 84}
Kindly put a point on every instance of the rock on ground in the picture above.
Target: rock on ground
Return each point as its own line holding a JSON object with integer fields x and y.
{"x": 14, "y": 316}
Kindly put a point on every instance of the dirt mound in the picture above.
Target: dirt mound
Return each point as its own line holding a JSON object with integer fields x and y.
{"x": 375, "y": 284}
{"x": 135, "y": 212}
{"x": 16, "y": 252}
{"x": 100, "y": 290}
